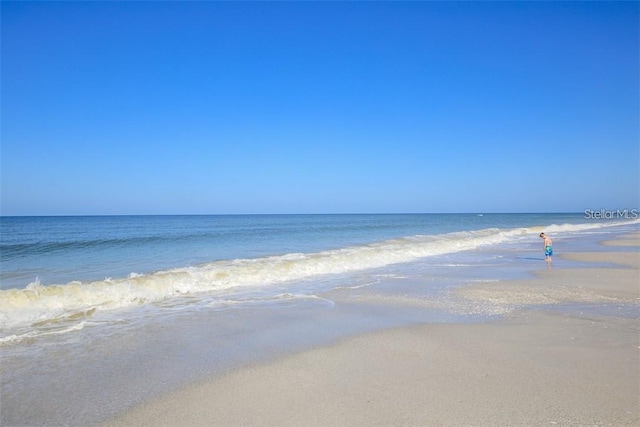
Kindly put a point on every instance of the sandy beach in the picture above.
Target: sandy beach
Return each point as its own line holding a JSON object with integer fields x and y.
{"x": 544, "y": 366}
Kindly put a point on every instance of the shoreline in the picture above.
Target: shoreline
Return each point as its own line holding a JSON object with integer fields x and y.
{"x": 538, "y": 366}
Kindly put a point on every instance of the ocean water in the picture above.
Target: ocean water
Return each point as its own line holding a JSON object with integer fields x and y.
{"x": 120, "y": 309}
{"x": 58, "y": 268}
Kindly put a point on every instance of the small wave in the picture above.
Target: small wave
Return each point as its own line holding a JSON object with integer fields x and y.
{"x": 286, "y": 297}
{"x": 39, "y": 333}
{"x": 45, "y": 247}
{"x": 567, "y": 228}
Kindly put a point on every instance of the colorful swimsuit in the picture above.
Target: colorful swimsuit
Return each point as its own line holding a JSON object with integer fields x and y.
{"x": 548, "y": 250}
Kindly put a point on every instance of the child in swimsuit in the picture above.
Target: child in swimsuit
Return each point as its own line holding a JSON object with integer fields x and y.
{"x": 548, "y": 247}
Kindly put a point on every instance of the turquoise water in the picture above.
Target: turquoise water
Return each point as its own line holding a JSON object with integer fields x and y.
{"x": 58, "y": 250}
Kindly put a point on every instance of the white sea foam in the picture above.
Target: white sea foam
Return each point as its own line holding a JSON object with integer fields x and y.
{"x": 39, "y": 304}
{"x": 13, "y": 338}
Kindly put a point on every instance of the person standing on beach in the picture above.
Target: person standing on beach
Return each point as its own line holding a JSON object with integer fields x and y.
{"x": 548, "y": 248}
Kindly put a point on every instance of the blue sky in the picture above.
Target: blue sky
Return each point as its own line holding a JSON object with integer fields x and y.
{"x": 319, "y": 107}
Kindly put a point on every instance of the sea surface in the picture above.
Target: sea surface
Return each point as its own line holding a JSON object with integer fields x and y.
{"x": 61, "y": 270}
{"x": 100, "y": 313}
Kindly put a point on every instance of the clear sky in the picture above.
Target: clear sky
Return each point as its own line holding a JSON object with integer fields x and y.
{"x": 319, "y": 107}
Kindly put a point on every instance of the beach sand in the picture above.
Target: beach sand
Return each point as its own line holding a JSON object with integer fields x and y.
{"x": 545, "y": 366}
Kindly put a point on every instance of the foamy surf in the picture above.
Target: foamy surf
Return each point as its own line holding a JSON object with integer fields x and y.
{"x": 71, "y": 303}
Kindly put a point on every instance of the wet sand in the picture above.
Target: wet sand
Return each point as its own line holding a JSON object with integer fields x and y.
{"x": 539, "y": 366}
